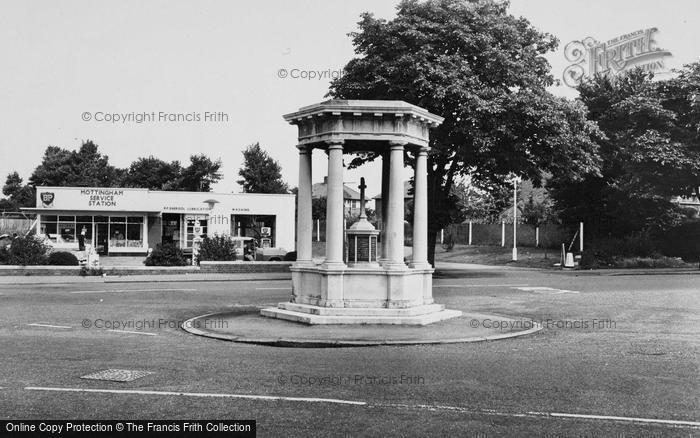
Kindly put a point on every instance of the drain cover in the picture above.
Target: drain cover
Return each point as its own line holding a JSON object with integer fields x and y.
{"x": 117, "y": 375}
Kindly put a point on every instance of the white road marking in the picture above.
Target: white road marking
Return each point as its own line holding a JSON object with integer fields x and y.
{"x": 477, "y": 285}
{"x": 546, "y": 290}
{"x": 461, "y": 409}
{"x": 135, "y": 333}
{"x": 629, "y": 419}
{"x": 129, "y": 290}
{"x": 202, "y": 394}
{"x": 50, "y": 326}
{"x": 273, "y": 288}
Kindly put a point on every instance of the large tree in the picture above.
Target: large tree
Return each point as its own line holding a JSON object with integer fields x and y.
{"x": 153, "y": 173}
{"x": 86, "y": 167}
{"x": 483, "y": 70}
{"x": 260, "y": 172}
{"x": 201, "y": 174}
{"x": 651, "y": 153}
{"x": 18, "y": 194}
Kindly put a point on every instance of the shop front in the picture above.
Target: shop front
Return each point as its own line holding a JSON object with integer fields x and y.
{"x": 130, "y": 221}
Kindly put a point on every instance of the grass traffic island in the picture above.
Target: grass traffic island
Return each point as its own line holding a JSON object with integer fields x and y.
{"x": 245, "y": 325}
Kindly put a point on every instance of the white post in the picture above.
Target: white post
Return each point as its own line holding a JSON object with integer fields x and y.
{"x": 442, "y": 236}
{"x": 580, "y": 237}
{"x": 537, "y": 237}
{"x": 318, "y": 230}
{"x": 470, "y": 232}
{"x": 304, "y": 214}
{"x": 334, "y": 205}
{"x": 503, "y": 232}
{"x": 515, "y": 220}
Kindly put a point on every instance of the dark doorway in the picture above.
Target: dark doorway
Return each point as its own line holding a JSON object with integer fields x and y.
{"x": 102, "y": 238}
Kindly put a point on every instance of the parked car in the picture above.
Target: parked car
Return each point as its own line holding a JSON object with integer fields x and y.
{"x": 251, "y": 250}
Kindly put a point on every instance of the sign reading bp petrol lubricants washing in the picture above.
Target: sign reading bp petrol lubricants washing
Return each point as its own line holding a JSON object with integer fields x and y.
{"x": 625, "y": 52}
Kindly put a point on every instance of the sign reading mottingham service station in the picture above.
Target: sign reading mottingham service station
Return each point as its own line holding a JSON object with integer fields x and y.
{"x": 625, "y": 52}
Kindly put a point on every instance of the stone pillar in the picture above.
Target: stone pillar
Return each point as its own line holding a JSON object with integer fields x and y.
{"x": 420, "y": 211}
{"x": 394, "y": 229}
{"x": 304, "y": 210}
{"x": 385, "y": 205}
{"x": 334, "y": 205}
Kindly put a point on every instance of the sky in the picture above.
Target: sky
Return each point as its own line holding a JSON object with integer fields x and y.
{"x": 67, "y": 66}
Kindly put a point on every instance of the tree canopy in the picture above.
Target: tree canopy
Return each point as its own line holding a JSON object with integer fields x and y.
{"x": 153, "y": 173}
{"x": 260, "y": 173}
{"x": 86, "y": 167}
{"x": 483, "y": 70}
{"x": 18, "y": 194}
{"x": 650, "y": 154}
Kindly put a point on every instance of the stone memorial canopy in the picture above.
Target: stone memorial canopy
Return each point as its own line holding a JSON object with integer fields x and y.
{"x": 363, "y": 125}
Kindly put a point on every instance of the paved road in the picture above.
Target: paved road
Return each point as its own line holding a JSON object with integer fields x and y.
{"x": 623, "y": 346}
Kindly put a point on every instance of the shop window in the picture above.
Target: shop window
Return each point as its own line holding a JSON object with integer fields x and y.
{"x": 83, "y": 219}
{"x": 117, "y": 219}
{"x": 134, "y": 235}
{"x": 66, "y": 231}
{"x": 117, "y": 234}
{"x": 66, "y": 218}
{"x": 49, "y": 230}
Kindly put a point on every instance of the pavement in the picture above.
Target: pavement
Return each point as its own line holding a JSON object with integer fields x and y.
{"x": 443, "y": 270}
{"x": 248, "y": 326}
{"x": 616, "y": 356}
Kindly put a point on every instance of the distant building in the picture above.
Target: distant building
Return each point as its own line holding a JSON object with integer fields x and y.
{"x": 351, "y": 197}
{"x": 132, "y": 220}
{"x": 688, "y": 202}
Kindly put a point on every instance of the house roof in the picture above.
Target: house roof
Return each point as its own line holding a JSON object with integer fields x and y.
{"x": 406, "y": 188}
{"x": 320, "y": 190}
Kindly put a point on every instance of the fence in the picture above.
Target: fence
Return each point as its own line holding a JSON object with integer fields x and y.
{"x": 11, "y": 223}
{"x": 549, "y": 235}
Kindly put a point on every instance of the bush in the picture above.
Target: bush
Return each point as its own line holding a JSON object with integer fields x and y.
{"x": 85, "y": 271}
{"x": 26, "y": 251}
{"x": 63, "y": 258}
{"x": 166, "y": 254}
{"x": 607, "y": 252}
{"x": 217, "y": 248}
{"x": 650, "y": 262}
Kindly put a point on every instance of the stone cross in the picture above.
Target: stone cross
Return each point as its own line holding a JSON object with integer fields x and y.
{"x": 362, "y": 188}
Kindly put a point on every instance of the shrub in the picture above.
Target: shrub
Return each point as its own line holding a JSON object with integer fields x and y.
{"x": 85, "y": 271}
{"x": 63, "y": 258}
{"x": 650, "y": 262}
{"x": 217, "y": 248}
{"x": 166, "y": 254}
{"x": 26, "y": 251}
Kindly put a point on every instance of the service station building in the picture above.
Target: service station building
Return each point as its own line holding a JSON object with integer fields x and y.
{"x": 132, "y": 220}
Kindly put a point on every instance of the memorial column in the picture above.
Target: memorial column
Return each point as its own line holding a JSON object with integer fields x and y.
{"x": 304, "y": 210}
{"x": 395, "y": 229}
{"x": 420, "y": 211}
{"x": 334, "y": 204}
